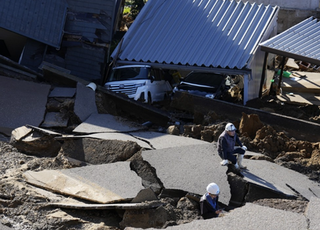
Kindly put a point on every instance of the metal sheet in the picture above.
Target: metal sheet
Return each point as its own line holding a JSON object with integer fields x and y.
{"x": 301, "y": 42}
{"x": 196, "y": 33}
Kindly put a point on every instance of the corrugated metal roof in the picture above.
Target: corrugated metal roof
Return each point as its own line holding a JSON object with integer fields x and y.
{"x": 40, "y": 20}
{"x": 210, "y": 33}
{"x": 301, "y": 42}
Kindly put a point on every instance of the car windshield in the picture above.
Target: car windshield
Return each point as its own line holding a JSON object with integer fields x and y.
{"x": 209, "y": 79}
{"x": 130, "y": 73}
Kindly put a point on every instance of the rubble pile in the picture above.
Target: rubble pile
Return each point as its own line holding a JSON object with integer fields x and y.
{"x": 74, "y": 139}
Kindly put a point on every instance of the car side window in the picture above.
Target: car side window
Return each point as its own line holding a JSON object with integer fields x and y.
{"x": 154, "y": 72}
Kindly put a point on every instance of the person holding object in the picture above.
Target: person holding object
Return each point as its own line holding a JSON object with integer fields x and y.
{"x": 227, "y": 150}
{"x": 209, "y": 202}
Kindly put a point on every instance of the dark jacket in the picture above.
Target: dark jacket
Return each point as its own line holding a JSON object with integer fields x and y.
{"x": 226, "y": 144}
{"x": 207, "y": 211}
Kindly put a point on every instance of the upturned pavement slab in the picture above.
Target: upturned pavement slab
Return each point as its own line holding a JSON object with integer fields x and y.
{"x": 116, "y": 177}
{"x": 85, "y": 102}
{"x": 58, "y": 182}
{"x": 22, "y": 102}
{"x": 112, "y": 136}
{"x": 312, "y": 213}
{"x": 279, "y": 178}
{"x": 190, "y": 168}
{"x": 99, "y": 123}
{"x": 105, "y": 183}
{"x": 249, "y": 217}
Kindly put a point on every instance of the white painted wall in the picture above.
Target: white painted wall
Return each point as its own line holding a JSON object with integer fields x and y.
{"x": 290, "y": 4}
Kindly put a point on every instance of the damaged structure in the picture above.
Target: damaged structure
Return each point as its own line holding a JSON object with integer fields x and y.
{"x": 300, "y": 42}
{"x": 73, "y": 36}
{"x": 213, "y": 36}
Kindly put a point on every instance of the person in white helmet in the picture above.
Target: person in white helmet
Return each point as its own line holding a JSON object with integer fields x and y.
{"x": 209, "y": 202}
{"x": 226, "y": 147}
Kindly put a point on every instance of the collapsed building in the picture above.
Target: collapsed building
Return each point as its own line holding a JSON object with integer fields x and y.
{"x": 72, "y": 36}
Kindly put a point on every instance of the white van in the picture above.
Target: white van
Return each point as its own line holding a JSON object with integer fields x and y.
{"x": 140, "y": 82}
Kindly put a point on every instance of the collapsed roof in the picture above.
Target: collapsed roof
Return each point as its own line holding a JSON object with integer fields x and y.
{"x": 301, "y": 42}
{"x": 223, "y": 34}
{"x": 42, "y": 21}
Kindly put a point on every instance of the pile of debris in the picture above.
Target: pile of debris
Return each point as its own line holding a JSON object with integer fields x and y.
{"x": 46, "y": 169}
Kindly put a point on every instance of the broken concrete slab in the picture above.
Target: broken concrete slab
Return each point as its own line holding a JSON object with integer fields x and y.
{"x": 312, "y": 213}
{"x": 163, "y": 140}
{"x": 58, "y": 182}
{"x": 97, "y": 183}
{"x": 281, "y": 179}
{"x": 62, "y": 92}
{"x": 98, "y": 123}
{"x": 110, "y": 136}
{"x": 249, "y": 217}
{"x": 85, "y": 102}
{"x": 147, "y": 139}
{"x": 116, "y": 177}
{"x": 22, "y": 102}
{"x": 55, "y": 119}
{"x": 97, "y": 151}
{"x": 190, "y": 168}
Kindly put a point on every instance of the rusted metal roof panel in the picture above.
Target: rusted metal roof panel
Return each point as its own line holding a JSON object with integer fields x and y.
{"x": 301, "y": 42}
{"x": 208, "y": 33}
{"x": 40, "y": 20}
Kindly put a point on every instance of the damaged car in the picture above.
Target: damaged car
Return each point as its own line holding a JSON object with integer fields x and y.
{"x": 211, "y": 85}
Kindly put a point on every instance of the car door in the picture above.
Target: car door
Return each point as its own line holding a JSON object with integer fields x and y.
{"x": 160, "y": 86}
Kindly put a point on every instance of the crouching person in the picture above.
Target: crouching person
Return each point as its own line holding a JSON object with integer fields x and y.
{"x": 209, "y": 202}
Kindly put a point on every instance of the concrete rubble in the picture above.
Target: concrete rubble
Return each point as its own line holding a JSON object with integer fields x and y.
{"x": 181, "y": 165}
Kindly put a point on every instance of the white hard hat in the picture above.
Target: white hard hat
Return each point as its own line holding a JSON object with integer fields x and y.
{"x": 213, "y": 188}
{"x": 230, "y": 127}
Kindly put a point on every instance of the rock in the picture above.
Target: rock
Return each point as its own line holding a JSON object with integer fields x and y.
{"x": 193, "y": 131}
{"x": 173, "y": 130}
{"x": 207, "y": 135}
{"x": 32, "y": 142}
{"x": 145, "y": 195}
